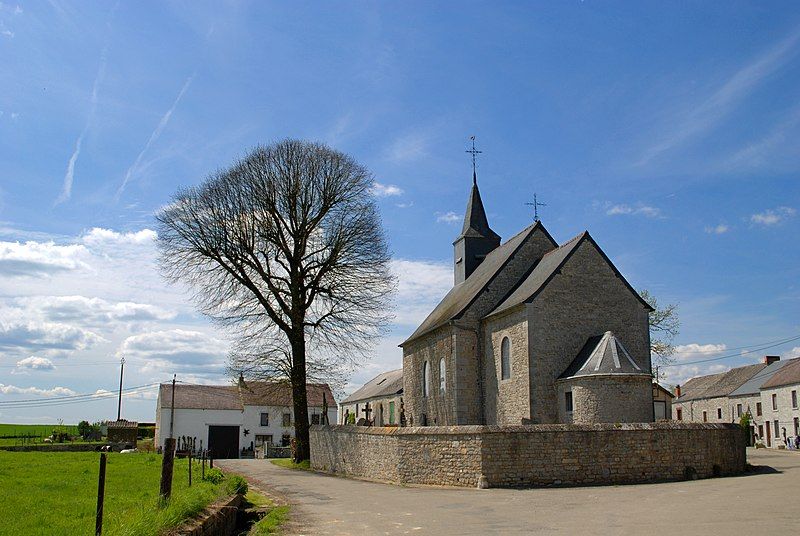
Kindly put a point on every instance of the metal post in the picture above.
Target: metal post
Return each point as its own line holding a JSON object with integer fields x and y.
{"x": 210, "y": 459}
{"x": 203, "y": 467}
{"x": 119, "y": 404}
{"x": 101, "y": 489}
{"x": 172, "y": 410}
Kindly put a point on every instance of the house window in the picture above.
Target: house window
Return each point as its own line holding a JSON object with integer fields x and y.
{"x": 705, "y": 416}
{"x": 426, "y": 379}
{"x": 738, "y": 410}
{"x": 679, "y": 414}
{"x": 797, "y": 426}
{"x": 262, "y": 440}
{"x": 719, "y": 414}
{"x": 568, "y": 401}
{"x": 794, "y": 399}
{"x": 391, "y": 412}
{"x": 774, "y": 402}
{"x": 777, "y": 429}
{"x": 315, "y": 419}
{"x": 265, "y": 419}
{"x": 758, "y": 409}
{"x": 442, "y": 376}
{"x": 505, "y": 359}
{"x": 287, "y": 419}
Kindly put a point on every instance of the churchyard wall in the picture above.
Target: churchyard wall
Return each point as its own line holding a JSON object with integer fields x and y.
{"x": 537, "y": 455}
{"x": 586, "y": 298}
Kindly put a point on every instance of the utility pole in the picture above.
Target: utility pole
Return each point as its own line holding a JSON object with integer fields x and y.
{"x": 168, "y": 460}
{"x": 119, "y": 404}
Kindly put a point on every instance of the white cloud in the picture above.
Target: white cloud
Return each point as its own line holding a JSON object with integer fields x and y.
{"x": 421, "y": 285}
{"x": 791, "y": 354}
{"x": 409, "y": 148}
{"x": 173, "y": 349}
{"x": 27, "y": 335}
{"x": 405, "y": 205}
{"x": 55, "y": 391}
{"x": 773, "y": 216}
{"x": 385, "y": 190}
{"x": 98, "y": 236}
{"x": 695, "y": 351}
{"x": 642, "y": 210}
{"x": 717, "y": 229}
{"x": 447, "y": 217}
{"x": 36, "y": 363}
{"x": 83, "y": 310}
{"x": 39, "y": 258}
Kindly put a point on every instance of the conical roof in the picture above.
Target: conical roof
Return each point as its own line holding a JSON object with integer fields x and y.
{"x": 602, "y": 355}
{"x": 475, "y": 222}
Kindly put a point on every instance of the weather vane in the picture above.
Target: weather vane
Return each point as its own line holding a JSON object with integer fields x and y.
{"x": 536, "y": 204}
{"x": 474, "y": 152}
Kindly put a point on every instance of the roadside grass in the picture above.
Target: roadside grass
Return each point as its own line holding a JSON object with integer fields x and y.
{"x": 273, "y": 520}
{"x": 288, "y": 463}
{"x": 57, "y": 492}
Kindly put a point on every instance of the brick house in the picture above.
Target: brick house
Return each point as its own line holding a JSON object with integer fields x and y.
{"x": 531, "y": 332}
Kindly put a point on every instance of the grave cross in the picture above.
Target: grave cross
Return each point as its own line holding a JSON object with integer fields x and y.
{"x": 367, "y": 411}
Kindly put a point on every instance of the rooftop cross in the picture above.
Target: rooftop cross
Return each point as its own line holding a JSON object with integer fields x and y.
{"x": 536, "y": 204}
{"x": 474, "y": 152}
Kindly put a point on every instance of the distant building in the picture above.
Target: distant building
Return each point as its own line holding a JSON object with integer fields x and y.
{"x": 662, "y": 402}
{"x": 767, "y": 391}
{"x": 229, "y": 418}
{"x": 383, "y": 395}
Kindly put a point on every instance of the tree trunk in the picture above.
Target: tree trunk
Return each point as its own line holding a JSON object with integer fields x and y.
{"x": 300, "y": 399}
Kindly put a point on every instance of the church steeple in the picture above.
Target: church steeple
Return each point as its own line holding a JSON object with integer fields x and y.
{"x": 476, "y": 239}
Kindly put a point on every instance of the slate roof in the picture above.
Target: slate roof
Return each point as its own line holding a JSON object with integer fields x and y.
{"x": 717, "y": 385}
{"x": 461, "y": 295}
{"x": 787, "y": 375}
{"x": 602, "y": 355}
{"x": 384, "y": 384}
{"x": 753, "y": 385}
{"x": 475, "y": 222}
{"x": 191, "y": 396}
{"x": 548, "y": 266}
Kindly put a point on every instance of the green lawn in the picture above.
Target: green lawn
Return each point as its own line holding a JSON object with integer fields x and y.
{"x": 288, "y": 463}
{"x": 37, "y": 430}
{"x": 56, "y": 493}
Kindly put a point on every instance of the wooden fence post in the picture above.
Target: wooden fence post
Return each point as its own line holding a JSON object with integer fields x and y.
{"x": 166, "y": 468}
{"x": 210, "y": 459}
{"x": 190, "y": 468}
{"x": 203, "y": 469}
{"x": 101, "y": 491}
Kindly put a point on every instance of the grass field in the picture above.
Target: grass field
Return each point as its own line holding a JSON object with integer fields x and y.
{"x": 10, "y": 433}
{"x": 56, "y": 493}
{"x": 288, "y": 463}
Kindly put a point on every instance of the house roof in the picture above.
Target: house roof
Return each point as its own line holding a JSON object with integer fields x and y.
{"x": 461, "y": 295}
{"x": 787, "y": 375}
{"x": 717, "y": 385}
{"x": 548, "y": 266}
{"x": 191, "y": 396}
{"x": 753, "y": 385}
{"x": 663, "y": 389}
{"x": 602, "y": 355}
{"x": 384, "y": 384}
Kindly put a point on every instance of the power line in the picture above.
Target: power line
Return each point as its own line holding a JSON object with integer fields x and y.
{"x": 74, "y": 397}
{"x": 775, "y": 342}
{"x": 51, "y": 403}
{"x": 85, "y": 364}
{"x": 729, "y": 356}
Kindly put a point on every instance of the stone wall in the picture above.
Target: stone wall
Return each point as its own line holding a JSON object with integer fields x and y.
{"x": 506, "y": 401}
{"x": 586, "y": 298}
{"x": 538, "y": 455}
{"x": 787, "y": 414}
{"x": 611, "y": 399}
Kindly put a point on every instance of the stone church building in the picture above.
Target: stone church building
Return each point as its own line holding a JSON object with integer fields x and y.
{"x": 531, "y": 332}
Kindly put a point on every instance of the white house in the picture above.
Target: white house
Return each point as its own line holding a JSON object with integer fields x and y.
{"x": 230, "y": 418}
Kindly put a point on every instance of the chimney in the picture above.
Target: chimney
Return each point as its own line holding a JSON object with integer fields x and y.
{"x": 770, "y": 359}
{"x": 677, "y": 391}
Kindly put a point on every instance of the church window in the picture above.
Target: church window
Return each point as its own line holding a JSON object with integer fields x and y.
{"x": 442, "y": 376}
{"x": 426, "y": 379}
{"x": 568, "y": 401}
{"x": 505, "y": 359}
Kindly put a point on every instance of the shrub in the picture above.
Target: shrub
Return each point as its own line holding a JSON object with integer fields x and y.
{"x": 237, "y": 484}
{"x": 214, "y": 476}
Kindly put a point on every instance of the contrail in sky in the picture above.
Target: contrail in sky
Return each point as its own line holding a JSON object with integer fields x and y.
{"x": 66, "y": 190}
{"x": 153, "y": 137}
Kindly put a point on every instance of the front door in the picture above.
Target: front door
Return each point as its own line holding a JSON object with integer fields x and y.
{"x": 769, "y": 443}
{"x": 223, "y": 441}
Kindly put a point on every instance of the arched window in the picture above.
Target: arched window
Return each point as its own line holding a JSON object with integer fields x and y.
{"x": 442, "y": 376}
{"x": 426, "y": 379}
{"x": 505, "y": 359}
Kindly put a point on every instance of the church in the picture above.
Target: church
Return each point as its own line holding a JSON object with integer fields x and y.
{"x": 532, "y": 332}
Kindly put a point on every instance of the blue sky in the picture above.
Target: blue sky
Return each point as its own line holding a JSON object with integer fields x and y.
{"x": 669, "y": 132}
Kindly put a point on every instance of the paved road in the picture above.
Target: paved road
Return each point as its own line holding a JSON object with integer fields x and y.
{"x": 764, "y": 503}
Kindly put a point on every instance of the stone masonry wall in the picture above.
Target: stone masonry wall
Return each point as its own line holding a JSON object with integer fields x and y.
{"x": 585, "y": 299}
{"x": 522, "y": 456}
{"x": 787, "y": 414}
{"x": 506, "y": 401}
{"x": 611, "y": 399}
{"x": 438, "y": 407}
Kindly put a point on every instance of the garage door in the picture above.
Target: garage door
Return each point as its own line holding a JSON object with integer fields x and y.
{"x": 223, "y": 441}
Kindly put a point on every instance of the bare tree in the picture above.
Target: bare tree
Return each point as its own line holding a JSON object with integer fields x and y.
{"x": 287, "y": 249}
{"x": 664, "y": 327}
